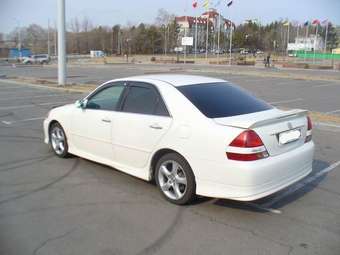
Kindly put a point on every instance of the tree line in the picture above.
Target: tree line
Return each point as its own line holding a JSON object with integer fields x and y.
{"x": 83, "y": 36}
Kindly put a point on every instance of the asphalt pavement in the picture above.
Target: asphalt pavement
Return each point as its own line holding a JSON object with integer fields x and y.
{"x": 74, "y": 206}
{"x": 304, "y": 91}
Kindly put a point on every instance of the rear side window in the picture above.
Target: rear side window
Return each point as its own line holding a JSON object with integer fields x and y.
{"x": 144, "y": 100}
{"x": 216, "y": 100}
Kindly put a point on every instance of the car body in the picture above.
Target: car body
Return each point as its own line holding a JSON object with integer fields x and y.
{"x": 36, "y": 59}
{"x": 209, "y": 141}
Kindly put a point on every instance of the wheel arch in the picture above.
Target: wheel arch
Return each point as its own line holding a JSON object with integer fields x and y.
{"x": 157, "y": 155}
{"x": 51, "y": 123}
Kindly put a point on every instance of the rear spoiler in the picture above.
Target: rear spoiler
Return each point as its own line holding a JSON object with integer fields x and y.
{"x": 285, "y": 116}
{"x": 254, "y": 120}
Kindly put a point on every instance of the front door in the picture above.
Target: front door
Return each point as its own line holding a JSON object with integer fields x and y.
{"x": 91, "y": 126}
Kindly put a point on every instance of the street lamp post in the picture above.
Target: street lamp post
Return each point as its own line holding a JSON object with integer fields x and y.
{"x": 61, "y": 44}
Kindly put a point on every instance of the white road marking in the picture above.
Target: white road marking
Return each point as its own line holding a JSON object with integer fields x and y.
{"x": 31, "y": 105}
{"x": 287, "y": 101}
{"x": 276, "y": 211}
{"x": 326, "y": 124}
{"x": 10, "y": 87}
{"x": 335, "y": 111}
{"x": 326, "y": 85}
{"x": 24, "y": 120}
{"x": 28, "y": 97}
{"x": 300, "y": 185}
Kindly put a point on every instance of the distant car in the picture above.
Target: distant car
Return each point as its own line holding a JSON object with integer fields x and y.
{"x": 37, "y": 59}
{"x": 259, "y": 52}
{"x": 244, "y": 52}
{"x": 192, "y": 134}
{"x": 220, "y": 51}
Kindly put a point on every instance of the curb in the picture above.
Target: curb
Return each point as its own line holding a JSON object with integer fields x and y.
{"x": 45, "y": 87}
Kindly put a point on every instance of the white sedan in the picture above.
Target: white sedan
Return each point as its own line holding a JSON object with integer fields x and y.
{"x": 194, "y": 135}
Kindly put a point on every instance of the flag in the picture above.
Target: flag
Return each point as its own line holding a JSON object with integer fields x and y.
{"x": 286, "y": 23}
{"x": 194, "y": 4}
{"x": 316, "y": 22}
{"x": 325, "y": 22}
{"x": 217, "y": 3}
{"x": 296, "y": 23}
{"x": 306, "y": 24}
{"x": 229, "y": 3}
{"x": 206, "y": 4}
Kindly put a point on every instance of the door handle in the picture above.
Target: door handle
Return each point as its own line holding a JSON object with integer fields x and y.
{"x": 106, "y": 120}
{"x": 155, "y": 126}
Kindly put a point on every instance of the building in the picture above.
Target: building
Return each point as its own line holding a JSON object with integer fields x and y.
{"x": 337, "y": 30}
{"x": 15, "y": 53}
{"x": 187, "y": 27}
{"x": 310, "y": 43}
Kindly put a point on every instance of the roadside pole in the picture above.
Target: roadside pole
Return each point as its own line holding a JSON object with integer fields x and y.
{"x": 55, "y": 39}
{"x": 207, "y": 38}
{"x": 231, "y": 41}
{"x": 195, "y": 37}
{"x": 48, "y": 38}
{"x": 325, "y": 46}
{"x": 218, "y": 37}
{"x": 185, "y": 35}
{"x": 316, "y": 38}
{"x": 307, "y": 28}
{"x": 288, "y": 37}
{"x": 19, "y": 39}
{"x": 61, "y": 44}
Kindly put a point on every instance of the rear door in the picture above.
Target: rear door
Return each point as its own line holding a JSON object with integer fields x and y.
{"x": 139, "y": 125}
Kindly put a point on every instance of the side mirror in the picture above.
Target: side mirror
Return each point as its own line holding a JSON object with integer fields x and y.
{"x": 81, "y": 103}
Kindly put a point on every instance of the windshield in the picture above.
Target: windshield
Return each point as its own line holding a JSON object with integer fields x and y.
{"x": 216, "y": 100}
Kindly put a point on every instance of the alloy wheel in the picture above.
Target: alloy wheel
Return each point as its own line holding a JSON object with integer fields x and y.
{"x": 58, "y": 140}
{"x": 172, "y": 179}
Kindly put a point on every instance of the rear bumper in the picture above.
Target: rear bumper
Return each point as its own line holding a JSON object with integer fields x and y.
{"x": 247, "y": 181}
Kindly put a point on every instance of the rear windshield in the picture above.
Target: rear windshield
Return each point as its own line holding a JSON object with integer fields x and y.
{"x": 216, "y": 100}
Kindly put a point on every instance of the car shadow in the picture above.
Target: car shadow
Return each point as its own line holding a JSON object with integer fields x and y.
{"x": 258, "y": 206}
{"x": 261, "y": 205}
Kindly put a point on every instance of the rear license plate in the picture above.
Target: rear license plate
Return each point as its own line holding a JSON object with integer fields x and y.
{"x": 289, "y": 136}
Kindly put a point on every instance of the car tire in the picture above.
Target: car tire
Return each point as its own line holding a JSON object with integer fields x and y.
{"x": 175, "y": 179}
{"x": 58, "y": 140}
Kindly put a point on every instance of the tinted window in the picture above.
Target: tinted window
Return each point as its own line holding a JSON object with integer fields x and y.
{"x": 144, "y": 100}
{"x": 217, "y": 100}
{"x": 106, "y": 99}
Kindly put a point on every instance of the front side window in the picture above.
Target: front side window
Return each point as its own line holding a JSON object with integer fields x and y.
{"x": 106, "y": 99}
{"x": 144, "y": 100}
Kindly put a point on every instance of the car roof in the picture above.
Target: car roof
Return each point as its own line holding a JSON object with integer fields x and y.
{"x": 175, "y": 79}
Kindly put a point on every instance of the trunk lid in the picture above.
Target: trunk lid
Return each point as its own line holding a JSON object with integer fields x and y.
{"x": 272, "y": 126}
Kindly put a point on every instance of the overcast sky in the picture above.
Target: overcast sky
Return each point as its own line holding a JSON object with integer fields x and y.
{"x": 110, "y": 12}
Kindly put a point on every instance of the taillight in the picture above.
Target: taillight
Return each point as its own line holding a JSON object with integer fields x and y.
{"x": 309, "y": 130}
{"x": 247, "y": 146}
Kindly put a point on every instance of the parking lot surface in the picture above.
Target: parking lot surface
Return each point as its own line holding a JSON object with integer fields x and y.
{"x": 299, "y": 92}
{"x": 50, "y": 205}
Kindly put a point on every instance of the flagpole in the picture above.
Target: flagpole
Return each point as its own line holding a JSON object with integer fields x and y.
{"x": 307, "y": 27}
{"x": 206, "y": 40}
{"x": 231, "y": 40}
{"x": 297, "y": 36}
{"x": 185, "y": 31}
{"x": 288, "y": 36}
{"x": 316, "y": 37}
{"x": 218, "y": 37}
{"x": 325, "y": 49}
{"x": 196, "y": 38}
